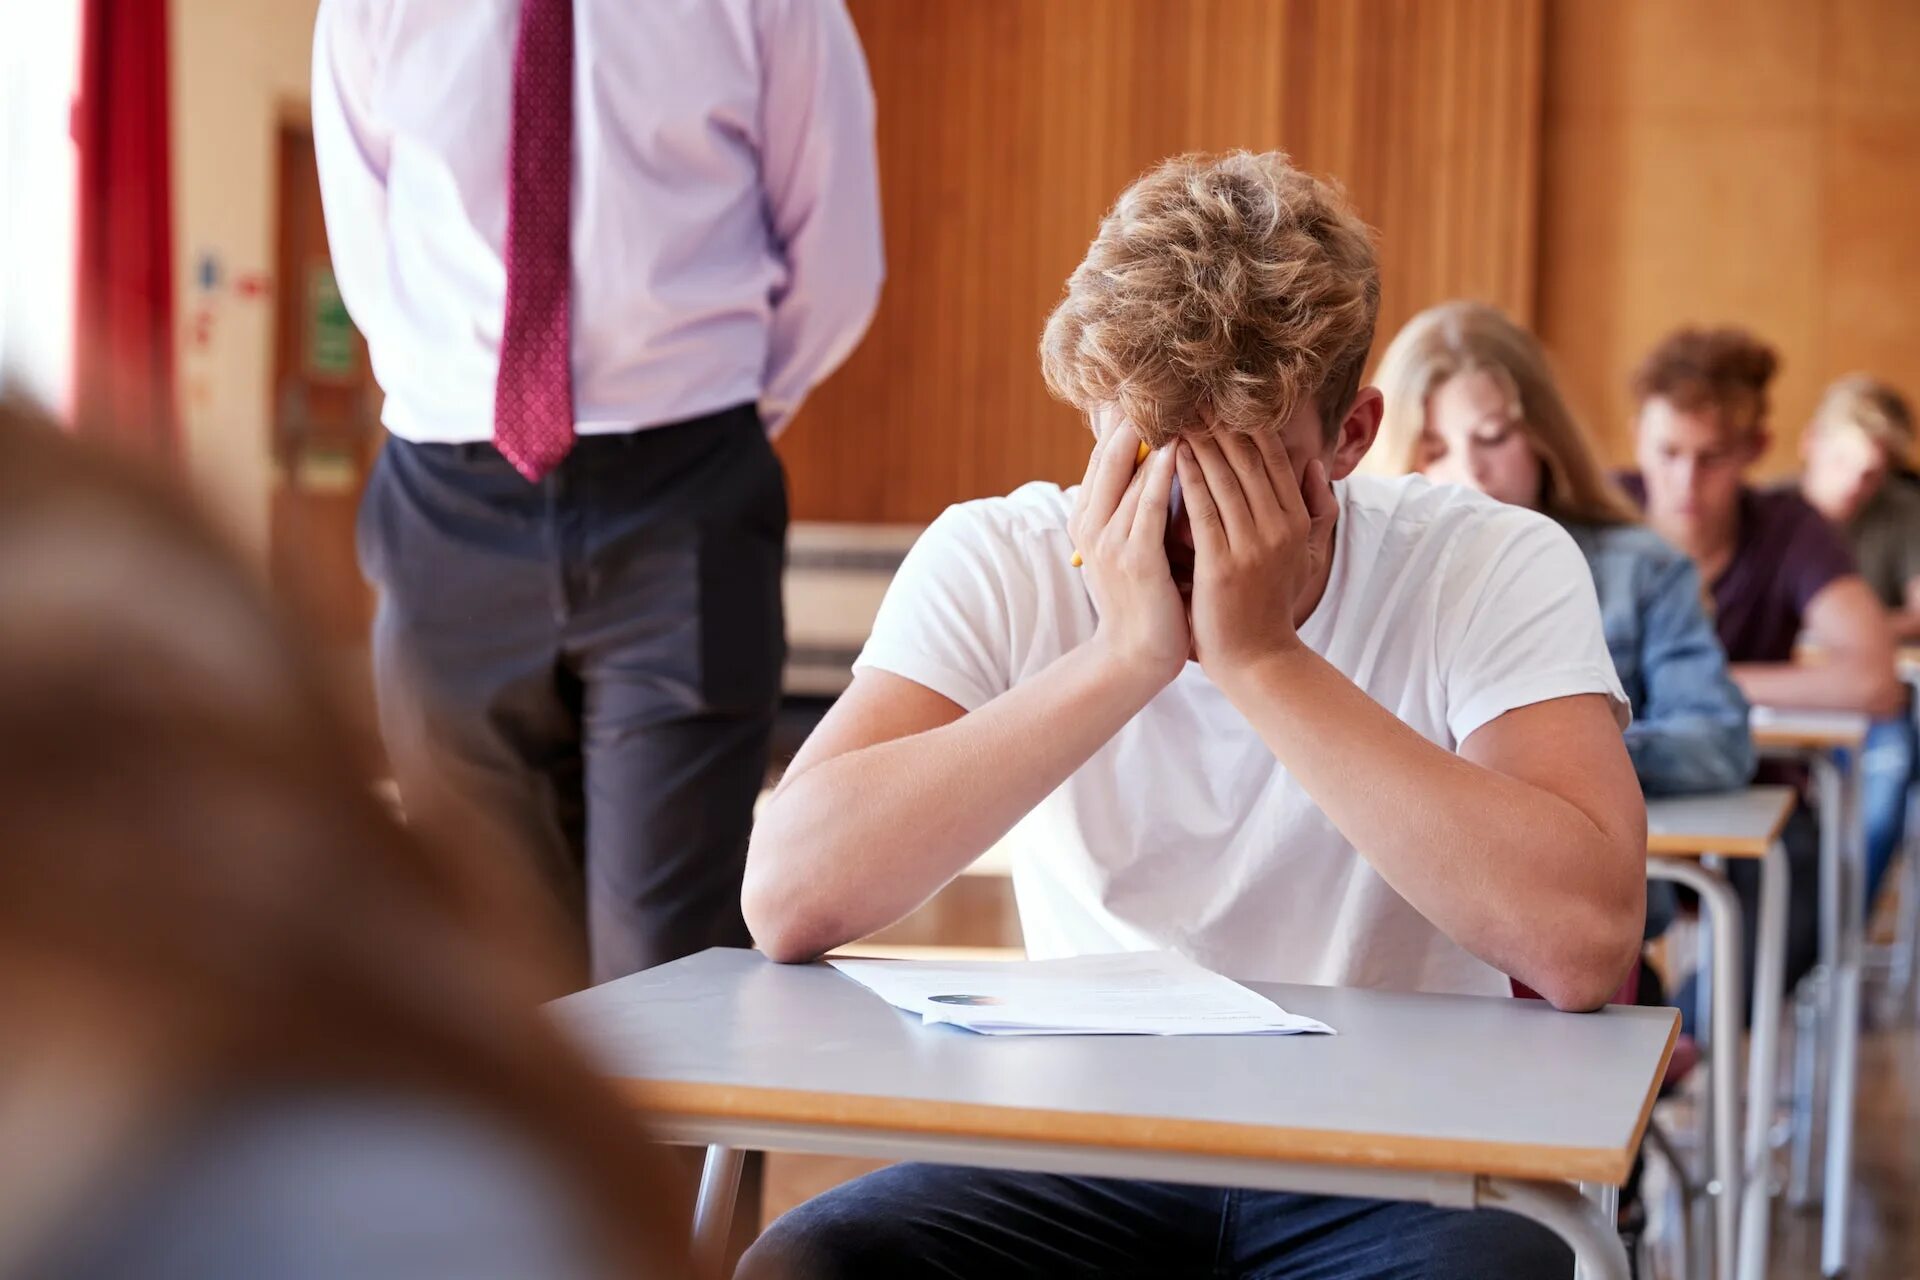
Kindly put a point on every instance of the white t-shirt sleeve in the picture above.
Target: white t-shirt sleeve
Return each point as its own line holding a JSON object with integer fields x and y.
{"x": 946, "y": 619}
{"x": 1525, "y": 624}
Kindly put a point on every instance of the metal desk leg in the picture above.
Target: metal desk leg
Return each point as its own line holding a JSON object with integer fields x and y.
{"x": 1844, "y": 1029}
{"x": 1708, "y": 1241}
{"x": 1605, "y": 1201}
{"x": 1683, "y": 1185}
{"x": 1809, "y": 1009}
{"x": 1906, "y": 946}
{"x": 1597, "y": 1251}
{"x": 1720, "y": 910}
{"x": 1818, "y": 1079}
{"x": 713, "y": 1211}
{"x": 1763, "y": 1064}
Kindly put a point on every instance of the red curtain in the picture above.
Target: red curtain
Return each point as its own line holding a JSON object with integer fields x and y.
{"x": 123, "y": 384}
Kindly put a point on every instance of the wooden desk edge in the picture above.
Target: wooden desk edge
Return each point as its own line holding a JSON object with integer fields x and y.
{"x": 1690, "y": 847}
{"x": 908, "y": 1116}
{"x": 1787, "y": 738}
{"x": 1694, "y": 846}
{"x": 1672, "y": 846}
{"x": 1653, "y": 1091}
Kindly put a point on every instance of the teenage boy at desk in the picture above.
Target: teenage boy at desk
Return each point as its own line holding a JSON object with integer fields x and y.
{"x": 1303, "y": 726}
{"x": 1776, "y": 570}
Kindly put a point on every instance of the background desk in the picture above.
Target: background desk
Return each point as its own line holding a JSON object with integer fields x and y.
{"x": 1453, "y": 1100}
{"x": 1830, "y": 742}
{"x": 1682, "y": 833}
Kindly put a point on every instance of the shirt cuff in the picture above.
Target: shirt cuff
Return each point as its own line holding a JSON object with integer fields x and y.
{"x": 1526, "y": 689}
{"x": 912, "y": 665}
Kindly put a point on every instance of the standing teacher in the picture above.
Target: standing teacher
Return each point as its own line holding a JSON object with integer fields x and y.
{"x": 600, "y": 252}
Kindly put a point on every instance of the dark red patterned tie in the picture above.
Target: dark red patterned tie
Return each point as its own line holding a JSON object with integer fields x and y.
{"x": 533, "y": 396}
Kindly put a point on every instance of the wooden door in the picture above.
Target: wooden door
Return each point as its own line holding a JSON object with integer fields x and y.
{"x": 326, "y": 429}
{"x": 326, "y": 432}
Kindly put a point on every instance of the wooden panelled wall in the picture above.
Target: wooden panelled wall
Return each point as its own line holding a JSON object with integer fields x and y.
{"x": 1008, "y": 126}
{"x": 1751, "y": 161}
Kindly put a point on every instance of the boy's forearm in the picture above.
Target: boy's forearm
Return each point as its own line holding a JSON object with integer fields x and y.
{"x": 862, "y": 839}
{"x": 1511, "y": 871}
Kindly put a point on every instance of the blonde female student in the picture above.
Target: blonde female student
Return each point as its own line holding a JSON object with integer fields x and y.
{"x": 1470, "y": 401}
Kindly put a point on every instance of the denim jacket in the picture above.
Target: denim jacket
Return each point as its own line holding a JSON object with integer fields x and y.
{"x": 1689, "y": 730}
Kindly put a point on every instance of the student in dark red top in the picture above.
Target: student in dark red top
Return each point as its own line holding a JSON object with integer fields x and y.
{"x": 1776, "y": 570}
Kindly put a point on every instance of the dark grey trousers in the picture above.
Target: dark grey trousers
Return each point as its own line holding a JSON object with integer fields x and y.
{"x": 592, "y": 661}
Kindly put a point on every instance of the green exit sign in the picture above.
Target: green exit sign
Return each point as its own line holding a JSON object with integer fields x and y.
{"x": 329, "y": 328}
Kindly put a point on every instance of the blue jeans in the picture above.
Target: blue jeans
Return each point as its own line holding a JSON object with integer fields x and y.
{"x": 1886, "y": 772}
{"x": 982, "y": 1224}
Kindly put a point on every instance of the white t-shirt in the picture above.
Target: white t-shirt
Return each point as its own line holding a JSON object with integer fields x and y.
{"x": 1183, "y": 831}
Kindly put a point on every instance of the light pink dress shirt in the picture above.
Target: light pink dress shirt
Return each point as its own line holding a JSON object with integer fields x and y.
{"x": 726, "y": 217}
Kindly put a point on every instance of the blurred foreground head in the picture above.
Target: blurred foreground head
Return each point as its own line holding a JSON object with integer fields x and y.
{"x": 205, "y": 916}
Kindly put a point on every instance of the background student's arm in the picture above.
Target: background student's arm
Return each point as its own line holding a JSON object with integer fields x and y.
{"x": 823, "y": 196}
{"x": 1846, "y": 625}
{"x": 900, "y": 788}
{"x": 1527, "y": 848}
{"x": 1691, "y": 732}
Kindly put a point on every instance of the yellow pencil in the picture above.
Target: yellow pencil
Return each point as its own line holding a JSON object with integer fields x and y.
{"x": 1139, "y": 456}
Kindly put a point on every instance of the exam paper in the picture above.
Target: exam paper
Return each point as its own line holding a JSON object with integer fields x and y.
{"x": 1144, "y": 993}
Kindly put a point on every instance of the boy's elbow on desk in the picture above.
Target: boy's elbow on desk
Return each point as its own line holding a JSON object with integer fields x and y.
{"x": 1578, "y": 944}
{"x": 779, "y": 925}
{"x": 786, "y": 926}
{"x": 785, "y": 947}
{"x": 1586, "y": 966}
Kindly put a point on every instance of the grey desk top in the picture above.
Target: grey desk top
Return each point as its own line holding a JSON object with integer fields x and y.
{"x": 1792, "y": 728}
{"x": 1438, "y": 1083}
{"x": 1739, "y": 824}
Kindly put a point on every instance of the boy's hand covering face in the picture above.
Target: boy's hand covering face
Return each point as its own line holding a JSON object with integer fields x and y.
{"x": 1261, "y": 538}
{"x": 1119, "y": 528}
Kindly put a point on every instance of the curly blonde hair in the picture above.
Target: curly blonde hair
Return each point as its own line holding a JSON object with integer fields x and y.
{"x": 1221, "y": 290}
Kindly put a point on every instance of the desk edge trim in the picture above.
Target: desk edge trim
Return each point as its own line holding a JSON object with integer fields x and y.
{"x": 687, "y": 1101}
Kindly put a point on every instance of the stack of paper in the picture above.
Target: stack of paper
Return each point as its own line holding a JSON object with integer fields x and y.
{"x": 1149, "y": 993}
